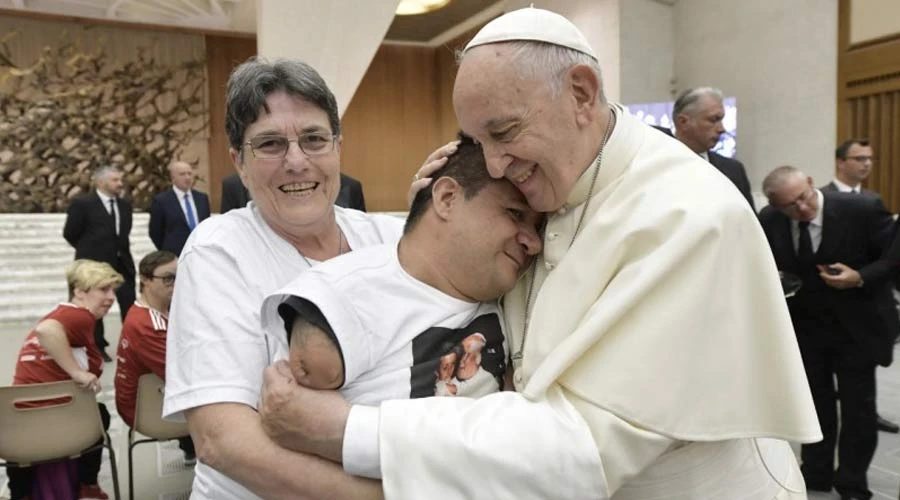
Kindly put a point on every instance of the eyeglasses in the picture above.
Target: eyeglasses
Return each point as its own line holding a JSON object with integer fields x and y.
{"x": 804, "y": 199}
{"x": 270, "y": 147}
{"x": 167, "y": 279}
{"x": 860, "y": 158}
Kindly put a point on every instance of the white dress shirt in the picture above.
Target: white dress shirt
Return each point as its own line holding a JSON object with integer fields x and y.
{"x": 115, "y": 210}
{"x": 815, "y": 227}
{"x": 844, "y": 188}
{"x": 180, "y": 195}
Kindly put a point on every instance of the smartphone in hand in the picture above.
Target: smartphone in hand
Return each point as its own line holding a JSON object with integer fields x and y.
{"x": 833, "y": 271}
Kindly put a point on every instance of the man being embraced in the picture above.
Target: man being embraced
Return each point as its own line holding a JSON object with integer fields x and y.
{"x": 377, "y": 322}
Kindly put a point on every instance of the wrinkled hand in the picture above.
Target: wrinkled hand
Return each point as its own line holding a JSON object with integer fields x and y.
{"x": 87, "y": 380}
{"x": 435, "y": 160}
{"x": 301, "y": 419}
{"x": 847, "y": 278}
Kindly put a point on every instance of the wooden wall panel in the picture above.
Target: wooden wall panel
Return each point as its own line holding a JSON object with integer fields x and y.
{"x": 869, "y": 102}
{"x": 391, "y": 124}
{"x": 222, "y": 55}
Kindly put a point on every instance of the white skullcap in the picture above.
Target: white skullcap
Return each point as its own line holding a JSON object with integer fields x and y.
{"x": 532, "y": 24}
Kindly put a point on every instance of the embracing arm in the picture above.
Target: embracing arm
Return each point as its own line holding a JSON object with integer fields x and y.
{"x": 230, "y": 439}
{"x": 557, "y": 447}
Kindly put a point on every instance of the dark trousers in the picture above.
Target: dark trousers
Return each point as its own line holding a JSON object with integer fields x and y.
{"x": 125, "y": 297}
{"x": 857, "y": 437}
{"x": 21, "y": 478}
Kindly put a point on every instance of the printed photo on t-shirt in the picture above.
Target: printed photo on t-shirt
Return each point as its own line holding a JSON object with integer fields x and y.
{"x": 469, "y": 361}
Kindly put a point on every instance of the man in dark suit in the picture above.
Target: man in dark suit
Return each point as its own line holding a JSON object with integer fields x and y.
{"x": 174, "y": 213}
{"x": 98, "y": 225}
{"x": 835, "y": 242}
{"x": 698, "y": 115}
{"x": 351, "y": 194}
{"x": 853, "y": 161}
{"x": 235, "y": 195}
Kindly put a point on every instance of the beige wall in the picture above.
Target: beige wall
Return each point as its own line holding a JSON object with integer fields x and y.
{"x": 647, "y": 48}
{"x": 779, "y": 59}
{"x": 871, "y": 19}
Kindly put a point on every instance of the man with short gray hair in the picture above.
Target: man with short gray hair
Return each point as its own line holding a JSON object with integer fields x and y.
{"x": 698, "y": 114}
{"x": 98, "y": 225}
{"x": 843, "y": 315}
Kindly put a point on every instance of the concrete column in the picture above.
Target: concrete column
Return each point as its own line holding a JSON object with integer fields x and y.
{"x": 338, "y": 37}
{"x": 779, "y": 59}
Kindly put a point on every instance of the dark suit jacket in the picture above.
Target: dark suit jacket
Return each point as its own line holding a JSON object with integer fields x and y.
{"x": 856, "y": 231}
{"x": 351, "y": 194}
{"x": 90, "y": 230}
{"x": 734, "y": 170}
{"x": 234, "y": 194}
{"x": 168, "y": 225}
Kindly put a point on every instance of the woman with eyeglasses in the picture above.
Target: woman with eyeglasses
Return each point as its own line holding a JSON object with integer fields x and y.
{"x": 284, "y": 132}
{"x": 61, "y": 347}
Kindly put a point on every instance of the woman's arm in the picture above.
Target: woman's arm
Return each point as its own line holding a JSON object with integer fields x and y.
{"x": 230, "y": 438}
{"x": 52, "y": 336}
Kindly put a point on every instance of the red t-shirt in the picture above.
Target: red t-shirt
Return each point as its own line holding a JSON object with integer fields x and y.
{"x": 35, "y": 366}
{"x": 142, "y": 349}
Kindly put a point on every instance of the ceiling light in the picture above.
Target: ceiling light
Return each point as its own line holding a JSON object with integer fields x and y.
{"x": 413, "y": 7}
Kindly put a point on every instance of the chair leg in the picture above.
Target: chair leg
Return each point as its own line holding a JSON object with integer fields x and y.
{"x": 131, "y": 446}
{"x": 113, "y": 468}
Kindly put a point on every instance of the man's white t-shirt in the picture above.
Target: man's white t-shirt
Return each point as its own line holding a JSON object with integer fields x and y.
{"x": 216, "y": 350}
{"x": 399, "y": 337}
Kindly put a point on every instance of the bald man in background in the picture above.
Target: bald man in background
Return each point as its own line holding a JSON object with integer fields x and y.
{"x": 175, "y": 212}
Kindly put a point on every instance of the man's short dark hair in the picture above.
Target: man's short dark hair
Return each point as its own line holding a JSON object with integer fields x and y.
{"x": 841, "y": 152}
{"x": 153, "y": 260}
{"x": 466, "y": 166}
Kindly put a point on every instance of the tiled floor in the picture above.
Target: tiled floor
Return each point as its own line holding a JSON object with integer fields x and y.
{"x": 161, "y": 475}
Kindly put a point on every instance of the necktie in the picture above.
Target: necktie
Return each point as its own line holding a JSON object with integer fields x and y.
{"x": 804, "y": 246}
{"x": 112, "y": 213}
{"x": 189, "y": 211}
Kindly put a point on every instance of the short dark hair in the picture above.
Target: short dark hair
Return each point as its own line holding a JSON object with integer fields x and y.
{"x": 466, "y": 166}
{"x": 841, "y": 152}
{"x": 252, "y": 81}
{"x": 153, "y": 260}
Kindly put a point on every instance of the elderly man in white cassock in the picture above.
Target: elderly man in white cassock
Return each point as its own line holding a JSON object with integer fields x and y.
{"x": 653, "y": 352}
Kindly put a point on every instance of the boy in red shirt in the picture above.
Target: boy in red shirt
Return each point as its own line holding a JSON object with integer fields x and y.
{"x": 61, "y": 347}
{"x": 142, "y": 344}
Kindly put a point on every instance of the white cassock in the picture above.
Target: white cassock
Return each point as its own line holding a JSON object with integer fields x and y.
{"x": 659, "y": 359}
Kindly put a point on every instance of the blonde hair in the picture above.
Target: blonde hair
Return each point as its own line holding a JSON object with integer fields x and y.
{"x": 84, "y": 274}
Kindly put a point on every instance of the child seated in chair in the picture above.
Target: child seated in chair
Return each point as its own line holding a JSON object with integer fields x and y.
{"x": 61, "y": 347}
